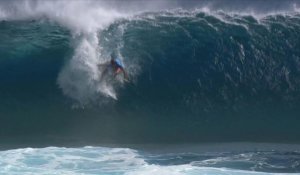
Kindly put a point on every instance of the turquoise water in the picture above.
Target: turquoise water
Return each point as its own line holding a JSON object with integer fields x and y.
{"x": 104, "y": 160}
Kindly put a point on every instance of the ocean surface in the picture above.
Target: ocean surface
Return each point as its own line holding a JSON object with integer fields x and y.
{"x": 161, "y": 160}
{"x": 201, "y": 72}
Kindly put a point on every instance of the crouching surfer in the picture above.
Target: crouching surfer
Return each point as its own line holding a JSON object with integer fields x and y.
{"x": 116, "y": 66}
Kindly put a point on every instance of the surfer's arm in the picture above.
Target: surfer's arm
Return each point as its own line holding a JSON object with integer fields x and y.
{"x": 103, "y": 68}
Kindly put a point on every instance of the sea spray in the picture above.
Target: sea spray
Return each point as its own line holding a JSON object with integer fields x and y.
{"x": 80, "y": 79}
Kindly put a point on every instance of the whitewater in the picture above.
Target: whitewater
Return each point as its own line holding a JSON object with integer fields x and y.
{"x": 104, "y": 160}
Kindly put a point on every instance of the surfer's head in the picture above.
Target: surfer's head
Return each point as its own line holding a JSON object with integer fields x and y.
{"x": 112, "y": 61}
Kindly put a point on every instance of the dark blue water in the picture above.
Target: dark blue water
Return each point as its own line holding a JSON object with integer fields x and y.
{"x": 195, "y": 76}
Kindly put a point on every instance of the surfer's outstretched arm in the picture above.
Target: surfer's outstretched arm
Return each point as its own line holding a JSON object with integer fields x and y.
{"x": 103, "y": 66}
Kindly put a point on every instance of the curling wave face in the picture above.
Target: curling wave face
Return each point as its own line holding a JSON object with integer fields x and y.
{"x": 207, "y": 70}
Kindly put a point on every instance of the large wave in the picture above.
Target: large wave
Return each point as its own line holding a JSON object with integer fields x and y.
{"x": 204, "y": 68}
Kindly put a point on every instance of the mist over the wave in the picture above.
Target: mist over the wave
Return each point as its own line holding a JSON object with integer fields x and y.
{"x": 15, "y": 9}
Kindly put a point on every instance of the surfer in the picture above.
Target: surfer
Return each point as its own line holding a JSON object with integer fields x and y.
{"x": 117, "y": 66}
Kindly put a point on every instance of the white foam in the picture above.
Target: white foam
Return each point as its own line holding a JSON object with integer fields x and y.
{"x": 296, "y": 8}
{"x": 53, "y": 160}
{"x": 79, "y": 79}
{"x": 100, "y": 160}
{"x": 79, "y": 16}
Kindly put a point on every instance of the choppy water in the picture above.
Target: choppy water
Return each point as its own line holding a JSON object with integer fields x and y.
{"x": 104, "y": 160}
